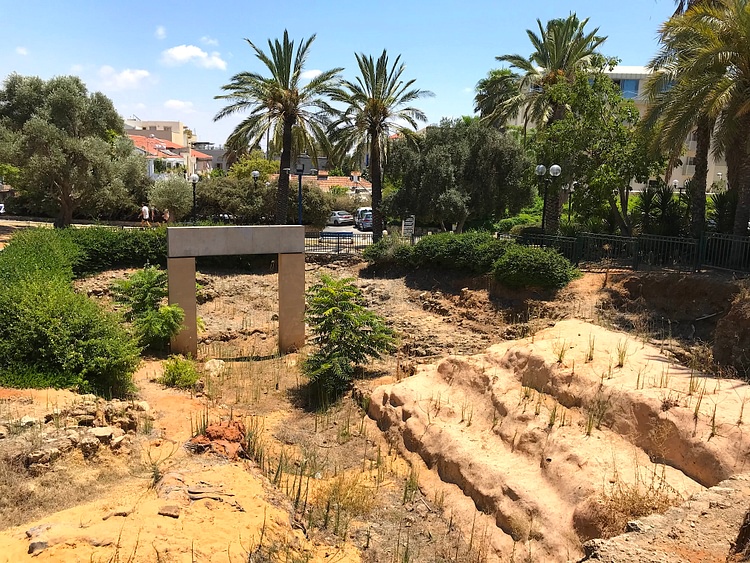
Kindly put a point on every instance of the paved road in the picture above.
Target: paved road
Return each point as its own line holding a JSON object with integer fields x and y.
{"x": 344, "y": 229}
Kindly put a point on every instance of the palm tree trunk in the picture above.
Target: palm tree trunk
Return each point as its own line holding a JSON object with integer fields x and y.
{"x": 282, "y": 198}
{"x": 552, "y": 209}
{"x": 742, "y": 215}
{"x": 376, "y": 173}
{"x": 697, "y": 185}
{"x": 738, "y": 174}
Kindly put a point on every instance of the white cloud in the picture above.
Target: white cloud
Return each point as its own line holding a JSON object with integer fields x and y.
{"x": 161, "y": 32}
{"x": 310, "y": 74}
{"x": 468, "y": 90}
{"x": 179, "y": 105}
{"x": 183, "y": 54}
{"x": 76, "y": 69}
{"x": 22, "y": 51}
{"x": 210, "y": 41}
{"x": 126, "y": 79}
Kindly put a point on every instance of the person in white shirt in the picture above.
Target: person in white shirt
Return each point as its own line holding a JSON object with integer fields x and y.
{"x": 145, "y": 215}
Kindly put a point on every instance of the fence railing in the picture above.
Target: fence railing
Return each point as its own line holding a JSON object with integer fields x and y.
{"x": 326, "y": 242}
{"x": 712, "y": 250}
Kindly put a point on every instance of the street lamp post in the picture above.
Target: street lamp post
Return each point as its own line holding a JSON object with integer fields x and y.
{"x": 255, "y": 174}
{"x": 194, "y": 179}
{"x": 300, "y": 171}
{"x": 554, "y": 172}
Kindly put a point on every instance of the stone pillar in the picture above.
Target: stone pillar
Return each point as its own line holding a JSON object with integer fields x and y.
{"x": 291, "y": 302}
{"x": 181, "y": 276}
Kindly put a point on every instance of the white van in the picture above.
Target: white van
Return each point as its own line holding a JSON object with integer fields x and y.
{"x": 359, "y": 214}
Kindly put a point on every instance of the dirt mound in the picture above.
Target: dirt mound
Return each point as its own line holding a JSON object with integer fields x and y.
{"x": 539, "y": 433}
{"x": 732, "y": 336}
{"x": 699, "y": 531}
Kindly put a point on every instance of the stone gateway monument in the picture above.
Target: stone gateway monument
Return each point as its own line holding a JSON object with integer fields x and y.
{"x": 184, "y": 244}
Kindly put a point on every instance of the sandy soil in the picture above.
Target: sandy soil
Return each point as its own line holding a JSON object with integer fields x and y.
{"x": 499, "y": 438}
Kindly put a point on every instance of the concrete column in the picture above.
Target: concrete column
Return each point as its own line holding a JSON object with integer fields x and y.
{"x": 291, "y": 302}
{"x": 181, "y": 276}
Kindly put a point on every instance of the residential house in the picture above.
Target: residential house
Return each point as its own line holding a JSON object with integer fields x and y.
{"x": 163, "y": 154}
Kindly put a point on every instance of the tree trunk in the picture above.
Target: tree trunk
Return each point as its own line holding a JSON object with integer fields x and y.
{"x": 552, "y": 209}
{"x": 697, "y": 185}
{"x": 282, "y": 198}
{"x": 376, "y": 173}
{"x": 739, "y": 174}
{"x": 67, "y": 206}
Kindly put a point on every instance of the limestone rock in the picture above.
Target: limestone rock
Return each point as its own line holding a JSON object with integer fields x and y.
{"x": 36, "y": 547}
{"x": 170, "y": 510}
{"x": 103, "y": 434}
{"x": 89, "y": 445}
{"x": 28, "y": 421}
{"x": 214, "y": 368}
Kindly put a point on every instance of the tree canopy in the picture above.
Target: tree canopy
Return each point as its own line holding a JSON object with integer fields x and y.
{"x": 68, "y": 148}
{"x": 457, "y": 171}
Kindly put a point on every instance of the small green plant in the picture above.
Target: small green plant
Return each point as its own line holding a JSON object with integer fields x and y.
{"x": 622, "y": 352}
{"x": 560, "y": 347}
{"x": 179, "y": 372}
{"x": 346, "y": 334}
{"x": 590, "y": 353}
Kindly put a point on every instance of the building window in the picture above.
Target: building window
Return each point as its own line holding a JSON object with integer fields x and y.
{"x": 629, "y": 89}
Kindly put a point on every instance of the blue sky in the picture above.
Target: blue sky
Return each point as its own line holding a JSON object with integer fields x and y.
{"x": 167, "y": 60}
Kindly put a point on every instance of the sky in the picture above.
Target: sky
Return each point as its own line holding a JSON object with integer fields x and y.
{"x": 168, "y": 60}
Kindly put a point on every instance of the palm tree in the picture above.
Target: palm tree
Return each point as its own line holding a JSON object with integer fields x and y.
{"x": 374, "y": 107}
{"x": 707, "y": 52}
{"x": 277, "y": 103}
{"x": 561, "y": 48}
{"x": 658, "y": 88}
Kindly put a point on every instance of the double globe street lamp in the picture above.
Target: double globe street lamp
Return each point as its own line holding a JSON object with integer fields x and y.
{"x": 554, "y": 172}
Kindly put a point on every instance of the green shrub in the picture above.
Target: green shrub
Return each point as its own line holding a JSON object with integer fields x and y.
{"x": 346, "y": 333}
{"x": 102, "y": 248}
{"x": 38, "y": 253}
{"x": 471, "y": 252}
{"x": 525, "y": 266}
{"x": 179, "y": 372}
{"x": 154, "y": 329}
{"x": 389, "y": 250}
{"x": 51, "y": 336}
{"x": 142, "y": 293}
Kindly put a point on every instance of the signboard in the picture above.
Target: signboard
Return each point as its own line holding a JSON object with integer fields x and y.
{"x": 407, "y": 226}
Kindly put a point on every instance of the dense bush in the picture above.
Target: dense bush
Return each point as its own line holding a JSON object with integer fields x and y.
{"x": 526, "y": 266}
{"x": 102, "y": 248}
{"x": 346, "y": 334}
{"x": 179, "y": 372}
{"x": 389, "y": 250}
{"x": 37, "y": 253}
{"x": 50, "y": 335}
{"x": 470, "y": 252}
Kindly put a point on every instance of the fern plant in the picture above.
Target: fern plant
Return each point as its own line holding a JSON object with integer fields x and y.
{"x": 142, "y": 293}
{"x": 346, "y": 334}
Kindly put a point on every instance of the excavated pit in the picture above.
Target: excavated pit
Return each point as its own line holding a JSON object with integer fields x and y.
{"x": 538, "y": 433}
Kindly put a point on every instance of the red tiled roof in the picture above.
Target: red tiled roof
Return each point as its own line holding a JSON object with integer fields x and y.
{"x": 156, "y": 148}
{"x": 199, "y": 155}
{"x": 325, "y": 183}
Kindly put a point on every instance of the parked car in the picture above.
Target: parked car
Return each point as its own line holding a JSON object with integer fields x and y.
{"x": 340, "y": 218}
{"x": 359, "y": 214}
{"x": 366, "y": 222}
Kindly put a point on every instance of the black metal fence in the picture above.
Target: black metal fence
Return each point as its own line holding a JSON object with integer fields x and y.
{"x": 712, "y": 250}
